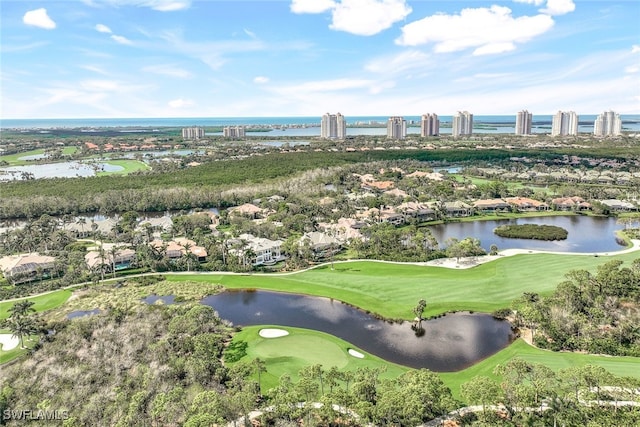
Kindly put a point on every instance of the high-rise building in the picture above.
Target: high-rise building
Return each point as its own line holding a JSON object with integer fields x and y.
{"x": 333, "y": 126}
{"x": 429, "y": 125}
{"x": 523, "y": 122}
{"x": 462, "y": 124}
{"x": 396, "y": 128}
{"x": 607, "y": 124}
{"x": 233, "y": 132}
{"x": 192, "y": 133}
{"x": 564, "y": 123}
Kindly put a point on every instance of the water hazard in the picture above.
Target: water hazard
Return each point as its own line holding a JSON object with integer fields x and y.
{"x": 449, "y": 343}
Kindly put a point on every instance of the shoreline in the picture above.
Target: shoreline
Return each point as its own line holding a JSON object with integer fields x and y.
{"x": 469, "y": 262}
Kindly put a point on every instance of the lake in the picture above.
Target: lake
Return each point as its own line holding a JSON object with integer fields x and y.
{"x": 586, "y": 233}
{"x": 57, "y": 170}
{"x": 449, "y": 343}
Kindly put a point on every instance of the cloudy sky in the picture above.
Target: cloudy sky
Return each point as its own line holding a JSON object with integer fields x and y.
{"x": 190, "y": 58}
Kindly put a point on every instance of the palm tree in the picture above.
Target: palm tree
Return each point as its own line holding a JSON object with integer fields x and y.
{"x": 260, "y": 367}
{"x": 21, "y": 327}
{"x": 81, "y": 221}
{"x": 21, "y": 308}
{"x": 113, "y": 252}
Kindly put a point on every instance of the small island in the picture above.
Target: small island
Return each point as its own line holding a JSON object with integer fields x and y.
{"x": 532, "y": 231}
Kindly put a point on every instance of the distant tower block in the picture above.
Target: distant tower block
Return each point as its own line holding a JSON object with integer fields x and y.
{"x": 462, "y": 124}
{"x": 429, "y": 125}
{"x": 192, "y": 133}
{"x": 523, "y": 122}
{"x": 396, "y": 128}
{"x": 564, "y": 123}
{"x": 233, "y": 132}
{"x": 333, "y": 126}
{"x": 607, "y": 124}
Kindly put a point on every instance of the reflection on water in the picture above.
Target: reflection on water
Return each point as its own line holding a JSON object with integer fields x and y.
{"x": 449, "y": 343}
{"x": 81, "y": 313}
{"x": 57, "y": 170}
{"x": 586, "y": 233}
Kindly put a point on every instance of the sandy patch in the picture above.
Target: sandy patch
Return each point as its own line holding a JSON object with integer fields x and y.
{"x": 273, "y": 333}
{"x": 356, "y": 353}
{"x": 8, "y": 341}
{"x": 468, "y": 262}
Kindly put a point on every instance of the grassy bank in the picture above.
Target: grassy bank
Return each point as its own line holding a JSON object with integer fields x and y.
{"x": 621, "y": 366}
{"x": 128, "y": 166}
{"x": 304, "y": 347}
{"x": 392, "y": 290}
{"x": 41, "y": 303}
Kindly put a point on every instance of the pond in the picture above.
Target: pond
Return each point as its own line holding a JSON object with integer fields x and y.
{"x": 586, "y": 233}
{"x": 449, "y": 343}
{"x": 57, "y": 170}
{"x": 82, "y": 313}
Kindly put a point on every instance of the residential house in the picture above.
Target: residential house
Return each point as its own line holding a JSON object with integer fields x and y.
{"x": 526, "y": 204}
{"x": 570, "y": 204}
{"x": 248, "y": 210}
{"x": 176, "y": 248}
{"x": 420, "y": 211}
{"x": 619, "y": 205}
{"x": 345, "y": 229}
{"x": 492, "y": 205}
{"x": 457, "y": 209}
{"x": 264, "y": 251}
{"x": 322, "y": 244}
{"x": 378, "y": 185}
{"x": 433, "y": 176}
{"x": 84, "y": 229}
{"x": 26, "y": 267}
{"x": 124, "y": 258}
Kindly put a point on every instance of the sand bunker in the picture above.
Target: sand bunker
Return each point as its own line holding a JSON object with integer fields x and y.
{"x": 8, "y": 341}
{"x": 272, "y": 333}
{"x": 355, "y": 353}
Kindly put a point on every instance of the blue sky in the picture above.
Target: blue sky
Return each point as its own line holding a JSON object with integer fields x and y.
{"x": 190, "y": 58}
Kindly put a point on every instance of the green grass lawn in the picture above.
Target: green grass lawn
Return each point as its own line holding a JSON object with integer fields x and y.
{"x": 304, "y": 347}
{"x": 620, "y": 366}
{"x": 42, "y": 303}
{"x": 128, "y": 166}
{"x": 392, "y": 290}
{"x": 9, "y": 355}
{"x": 14, "y": 159}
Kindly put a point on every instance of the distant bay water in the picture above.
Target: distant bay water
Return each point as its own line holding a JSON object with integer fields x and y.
{"x": 302, "y": 126}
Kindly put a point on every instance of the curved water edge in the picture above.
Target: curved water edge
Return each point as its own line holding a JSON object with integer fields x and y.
{"x": 445, "y": 344}
{"x": 586, "y": 234}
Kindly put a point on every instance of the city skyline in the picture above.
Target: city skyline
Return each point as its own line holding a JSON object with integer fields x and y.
{"x": 184, "y": 58}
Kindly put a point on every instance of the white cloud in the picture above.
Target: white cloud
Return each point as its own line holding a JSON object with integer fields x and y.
{"x": 493, "y": 48}
{"x": 491, "y": 30}
{"x": 180, "y": 103}
{"x": 311, "y": 6}
{"x": 39, "y": 18}
{"x": 168, "y": 70}
{"x": 534, "y": 2}
{"x": 94, "y": 69}
{"x": 121, "y": 40}
{"x": 407, "y": 60}
{"x": 635, "y": 48}
{"x": 100, "y": 85}
{"x": 103, "y": 29}
{"x": 559, "y": 7}
{"x": 261, "y": 80}
{"x": 159, "y": 5}
{"x": 631, "y": 69}
{"x": 336, "y": 85}
{"x": 368, "y": 17}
